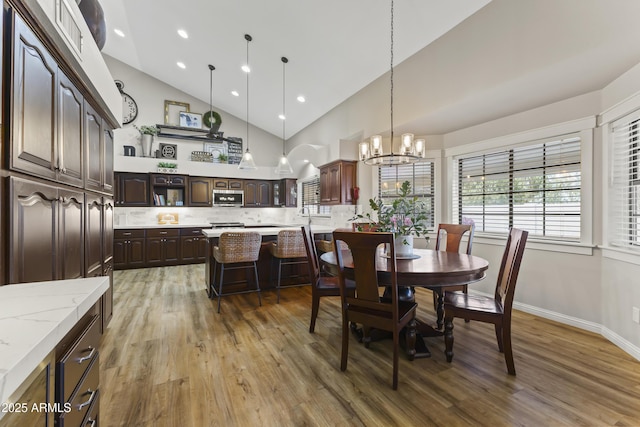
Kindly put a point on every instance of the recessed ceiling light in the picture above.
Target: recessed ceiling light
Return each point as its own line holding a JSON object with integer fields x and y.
{"x": 281, "y": 116}
{"x": 119, "y": 32}
{"x": 183, "y": 34}
{"x": 246, "y": 69}
{"x": 306, "y": 160}
{"x": 301, "y": 98}
{"x": 181, "y": 65}
{"x": 235, "y": 93}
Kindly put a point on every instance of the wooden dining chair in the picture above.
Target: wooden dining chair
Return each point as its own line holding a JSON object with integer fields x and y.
{"x": 453, "y": 233}
{"x": 321, "y": 286}
{"x": 366, "y": 306}
{"x": 496, "y": 309}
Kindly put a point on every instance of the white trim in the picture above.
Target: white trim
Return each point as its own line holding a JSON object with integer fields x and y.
{"x": 597, "y": 328}
{"x": 538, "y": 244}
{"x": 586, "y": 186}
{"x": 621, "y": 254}
{"x": 572, "y": 126}
{"x": 619, "y": 110}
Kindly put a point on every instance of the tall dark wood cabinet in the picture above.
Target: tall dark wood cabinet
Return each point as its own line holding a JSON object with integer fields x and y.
{"x": 336, "y": 182}
{"x": 56, "y": 197}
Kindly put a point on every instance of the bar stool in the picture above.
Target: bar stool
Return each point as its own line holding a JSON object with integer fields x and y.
{"x": 240, "y": 250}
{"x": 288, "y": 250}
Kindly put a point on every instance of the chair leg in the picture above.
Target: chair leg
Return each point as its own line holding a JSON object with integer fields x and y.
{"x": 345, "y": 341}
{"x": 410, "y": 339}
{"x": 508, "y": 350}
{"x": 255, "y": 270}
{"x": 448, "y": 338}
{"x": 220, "y": 285}
{"x": 396, "y": 350}
{"x": 315, "y": 307}
{"x": 440, "y": 308}
{"x": 279, "y": 277}
{"x": 366, "y": 336}
{"x": 213, "y": 283}
{"x": 499, "y": 334}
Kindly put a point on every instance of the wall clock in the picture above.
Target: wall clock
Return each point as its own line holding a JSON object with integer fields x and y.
{"x": 129, "y": 106}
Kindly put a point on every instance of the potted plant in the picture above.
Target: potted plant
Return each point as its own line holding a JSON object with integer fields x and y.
{"x": 166, "y": 167}
{"x": 147, "y": 133}
{"x": 406, "y": 216}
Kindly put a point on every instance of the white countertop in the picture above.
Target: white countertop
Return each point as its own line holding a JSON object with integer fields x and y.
{"x": 129, "y": 227}
{"x": 34, "y": 317}
{"x": 265, "y": 231}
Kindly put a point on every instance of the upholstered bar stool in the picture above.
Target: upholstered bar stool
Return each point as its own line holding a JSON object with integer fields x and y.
{"x": 288, "y": 250}
{"x": 236, "y": 251}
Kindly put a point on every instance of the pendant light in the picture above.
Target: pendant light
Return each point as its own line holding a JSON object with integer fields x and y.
{"x": 372, "y": 153}
{"x": 212, "y": 129}
{"x": 284, "y": 167}
{"x": 247, "y": 162}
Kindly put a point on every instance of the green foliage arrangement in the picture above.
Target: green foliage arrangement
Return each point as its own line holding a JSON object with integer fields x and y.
{"x": 167, "y": 165}
{"x": 147, "y": 130}
{"x": 404, "y": 216}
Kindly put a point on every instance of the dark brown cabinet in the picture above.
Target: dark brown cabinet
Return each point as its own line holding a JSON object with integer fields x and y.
{"x": 132, "y": 189}
{"x": 71, "y": 234}
{"x": 93, "y": 235}
{"x": 200, "y": 191}
{"x": 168, "y": 180}
{"x": 228, "y": 184}
{"x": 337, "y": 180}
{"x": 129, "y": 249}
{"x": 94, "y": 158}
{"x": 70, "y": 155}
{"x": 193, "y": 245}
{"x": 108, "y": 178}
{"x": 169, "y": 190}
{"x": 258, "y": 193}
{"x": 162, "y": 246}
{"x": 285, "y": 193}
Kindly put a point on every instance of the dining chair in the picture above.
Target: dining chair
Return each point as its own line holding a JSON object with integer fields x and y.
{"x": 321, "y": 286}
{"x": 454, "y": 233}
{"x": 288, "y": 250}
{"x": 366, "y": 306}
{"x": 496, "y": 309}
{"x": 236, "y": 251}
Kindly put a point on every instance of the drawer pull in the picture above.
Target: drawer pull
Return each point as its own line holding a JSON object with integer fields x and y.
{"x": 126, "y": 234}
{"x": 90, "y": 422}
{"x": 87, "y": 357}
{"x": 163, "y": 232}
{"x": 88, "y": 402}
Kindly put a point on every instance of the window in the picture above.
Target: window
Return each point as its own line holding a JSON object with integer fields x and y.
{"x": 624, "y": 191}
{"x": 535, "y": 186}
{"x": 421, "y": 177}
{"x": 311, "y": 197}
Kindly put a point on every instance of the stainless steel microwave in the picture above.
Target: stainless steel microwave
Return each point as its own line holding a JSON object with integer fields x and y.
{"x": 228, "y": 198}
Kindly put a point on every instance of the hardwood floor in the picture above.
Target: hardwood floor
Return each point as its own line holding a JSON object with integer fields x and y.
{"x": 168, "y": 359}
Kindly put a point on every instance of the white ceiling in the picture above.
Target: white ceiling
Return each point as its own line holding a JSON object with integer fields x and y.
{"x": 334, "y": 47}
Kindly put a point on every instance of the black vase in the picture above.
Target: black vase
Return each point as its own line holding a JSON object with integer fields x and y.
{"x": 94, "y": 17}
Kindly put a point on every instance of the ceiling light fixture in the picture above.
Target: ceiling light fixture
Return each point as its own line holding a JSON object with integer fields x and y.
{"x": 181, "y": 65}
{"x": 284, "y": 167}
{"x": 301, "y": 98}
{"x": 371, "y": 153}
{"x": 247, "y": 162}
{"x": 235, "y": 93}
{"x": 183, "y": 34}
{"x": 119, "y": 32}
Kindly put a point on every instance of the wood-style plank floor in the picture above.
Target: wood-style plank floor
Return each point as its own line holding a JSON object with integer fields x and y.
{"x": 168, "y": 359}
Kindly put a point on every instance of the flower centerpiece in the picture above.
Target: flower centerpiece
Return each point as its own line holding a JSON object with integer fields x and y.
{"x": 406, "y": 216}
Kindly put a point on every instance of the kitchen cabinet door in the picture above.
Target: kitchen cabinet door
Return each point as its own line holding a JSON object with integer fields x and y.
{"x": 108, "y": 179}
{"x": 93, "y": 235}
{"x": 200, "y": 191}
{"x": 70, "y": 139}
{"x": 132, "y": 189}
{"x": 71, "y": 234}
{"x": 94, "y": 158}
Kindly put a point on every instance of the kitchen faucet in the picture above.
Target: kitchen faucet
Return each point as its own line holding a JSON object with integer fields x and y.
{"x": 308, "y": 212}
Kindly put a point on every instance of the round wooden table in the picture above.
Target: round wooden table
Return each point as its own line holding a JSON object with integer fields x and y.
{"x": 435, "y": 270}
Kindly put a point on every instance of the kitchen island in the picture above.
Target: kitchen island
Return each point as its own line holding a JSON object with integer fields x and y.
{"x": 269, "y": 234}
{"x": 39, "y": 327}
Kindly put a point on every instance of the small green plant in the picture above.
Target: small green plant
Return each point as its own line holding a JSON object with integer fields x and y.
{"x": 223, "y": 158}
{"x": 147, "y": 130}
{"x": 167, "y": 165}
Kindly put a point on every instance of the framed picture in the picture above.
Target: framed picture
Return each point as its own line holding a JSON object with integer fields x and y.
{"x": 172, "y": 110}
{"x": 190, "y": 120}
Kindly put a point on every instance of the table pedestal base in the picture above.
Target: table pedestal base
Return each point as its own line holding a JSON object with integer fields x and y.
{"x": 422, "y": 330}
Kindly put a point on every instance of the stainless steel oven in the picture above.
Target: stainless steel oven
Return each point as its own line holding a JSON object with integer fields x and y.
{"x": 228, "y": 198}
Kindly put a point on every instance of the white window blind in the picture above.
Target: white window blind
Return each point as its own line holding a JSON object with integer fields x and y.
{"x": 311, "y": 197}
{"x": 420, "y": 176}
{"x": 624, "y": 188}
{"x": 534, "y": 186}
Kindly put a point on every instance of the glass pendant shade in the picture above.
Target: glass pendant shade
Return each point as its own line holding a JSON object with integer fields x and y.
{"x": 419, "y": 148}
{"x": 284, "y": 167}
{"x": 376, "y": 145}
{"x": 247, "y": 162}
{"x": 406, "y": 144}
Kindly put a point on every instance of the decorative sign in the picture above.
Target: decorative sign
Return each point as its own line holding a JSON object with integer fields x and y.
{"x": 168, "y": 151}
{"x": 201, "y": 156}
{"x": 234, "y": 150}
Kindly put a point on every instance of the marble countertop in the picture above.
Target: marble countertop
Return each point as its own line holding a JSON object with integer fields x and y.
{"x": 34, "y": 317}
{"x": 129, "y": 227}
{"x": 265, "y": 231}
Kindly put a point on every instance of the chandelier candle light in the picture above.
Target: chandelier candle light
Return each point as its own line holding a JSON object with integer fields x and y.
{"x": 371, "y": 153}
{"x": 247, "y": 162}
{"x": 284, "y": 167}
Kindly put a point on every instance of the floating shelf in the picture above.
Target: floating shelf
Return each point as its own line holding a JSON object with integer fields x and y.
{"x": 179, "y": 132}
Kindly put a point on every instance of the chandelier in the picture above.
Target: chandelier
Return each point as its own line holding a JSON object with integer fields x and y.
{"x": 372, "y": 152}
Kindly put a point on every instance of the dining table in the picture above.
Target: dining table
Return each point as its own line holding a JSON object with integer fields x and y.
{"x": 427, "y": 268}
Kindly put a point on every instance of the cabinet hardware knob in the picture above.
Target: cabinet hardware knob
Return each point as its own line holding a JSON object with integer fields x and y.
{"x": 88, "y": 401}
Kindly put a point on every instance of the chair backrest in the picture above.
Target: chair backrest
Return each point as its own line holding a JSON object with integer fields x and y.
{"x": 364, "y": 226}
{"x": 239, "y": 246}
{"x": 312, "y": 255}
{"x": 510, "y": 267}
{"x": 454, "y": 234}
{"x": 290, "y": 244}
{"x": 364, "y": 251}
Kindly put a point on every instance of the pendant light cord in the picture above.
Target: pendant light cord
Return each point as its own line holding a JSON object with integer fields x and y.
{"x": 391, "y": 76}
{"x": 284, "y": 114}
{"x": 248, "y": 38}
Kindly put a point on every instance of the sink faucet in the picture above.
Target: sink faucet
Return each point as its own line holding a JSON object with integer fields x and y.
{"x": 308, "y": 213}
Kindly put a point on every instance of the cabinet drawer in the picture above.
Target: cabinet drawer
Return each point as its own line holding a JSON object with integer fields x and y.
{"x": 93, "y": 416}
{"x": 127, "y": 234}
{"x": 163, "y": 232}
{"x": 75, "y": 361}
{"x": 191, "y": 232}
{"x": 85, "y": 397}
